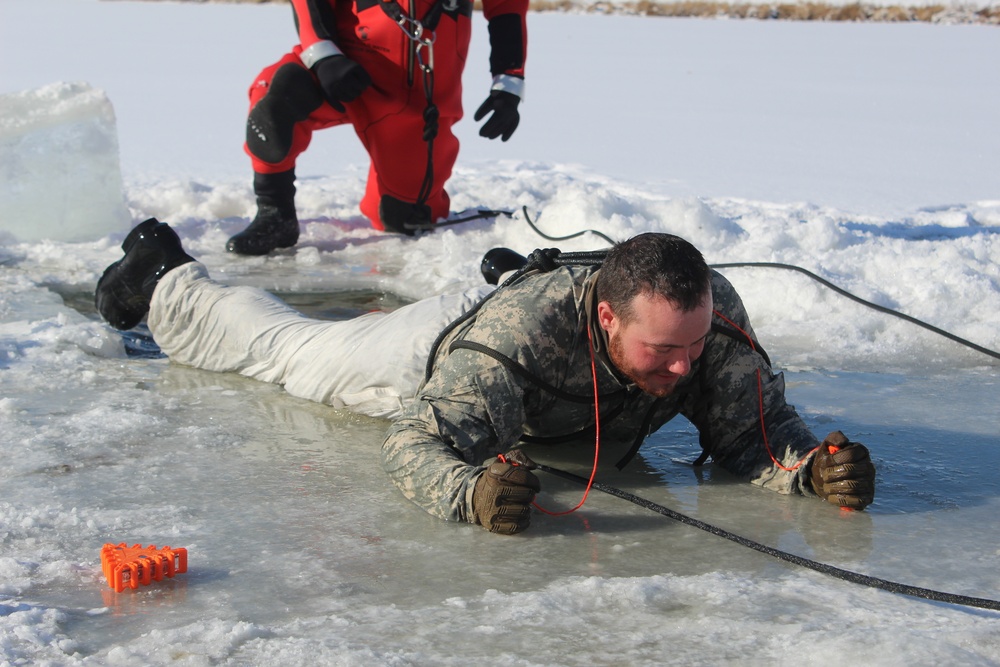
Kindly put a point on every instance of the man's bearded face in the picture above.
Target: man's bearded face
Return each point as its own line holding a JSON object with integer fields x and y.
{"x": 658, "y": 346}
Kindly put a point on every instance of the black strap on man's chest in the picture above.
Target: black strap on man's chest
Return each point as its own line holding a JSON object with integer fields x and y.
{"x": 618, "y": 398}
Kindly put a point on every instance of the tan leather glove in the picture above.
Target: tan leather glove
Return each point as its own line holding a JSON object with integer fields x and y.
{"x": 842, "y": 472}
{"x": 501, "y": 499}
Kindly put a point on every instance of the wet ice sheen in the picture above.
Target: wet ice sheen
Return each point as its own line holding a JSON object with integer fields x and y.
{"x": 301, "y": 552}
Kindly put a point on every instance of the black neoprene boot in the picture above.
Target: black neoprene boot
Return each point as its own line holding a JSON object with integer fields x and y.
{"x": 152, "y": 249}
{"x": 403, "y": 217}
{"x": 275, "y": 225}
{"x": 498, "y": 261}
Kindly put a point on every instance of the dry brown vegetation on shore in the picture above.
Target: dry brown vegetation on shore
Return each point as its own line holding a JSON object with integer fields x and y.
{"x": 788, "y": 11}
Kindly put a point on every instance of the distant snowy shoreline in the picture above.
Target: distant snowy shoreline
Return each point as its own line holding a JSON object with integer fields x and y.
{"x": 865, "y": 153}
{"x": 986, "y": 13}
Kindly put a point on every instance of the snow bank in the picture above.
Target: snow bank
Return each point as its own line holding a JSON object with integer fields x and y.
{"x": 59, "y": 161}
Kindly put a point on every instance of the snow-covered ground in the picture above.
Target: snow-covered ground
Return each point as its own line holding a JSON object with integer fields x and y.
{"x": 867, "y": 153}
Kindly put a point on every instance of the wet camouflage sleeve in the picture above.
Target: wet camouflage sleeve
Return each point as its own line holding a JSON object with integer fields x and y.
{"x": 432, "y": 454}
{"x": 725, "y": 406}
{"x": 473, "y": 408}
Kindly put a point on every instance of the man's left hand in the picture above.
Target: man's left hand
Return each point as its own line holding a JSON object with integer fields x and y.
{"x": 505, "y": 116}
{"x": 843, "y": 473}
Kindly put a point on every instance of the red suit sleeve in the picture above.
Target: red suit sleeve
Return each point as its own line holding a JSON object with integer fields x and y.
{"x": 508, "y": 35}
{"x": 314, "y": 21}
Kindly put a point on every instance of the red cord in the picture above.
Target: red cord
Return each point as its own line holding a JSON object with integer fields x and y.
{"x": 597, "y": 437}
{"x": 597, "y": 421}
{"x": 760, "y": 403}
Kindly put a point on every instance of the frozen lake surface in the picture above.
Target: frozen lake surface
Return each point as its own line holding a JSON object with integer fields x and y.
{"x": 850, "y": 150}
{"x": 301, "y": 552}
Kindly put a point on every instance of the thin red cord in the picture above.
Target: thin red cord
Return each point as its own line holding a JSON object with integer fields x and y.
{"x": 597, "y": 436}
{"x": 760, "y": 403}
{"x": 597, "y": 421}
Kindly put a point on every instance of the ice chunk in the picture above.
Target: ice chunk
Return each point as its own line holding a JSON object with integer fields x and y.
{"x": 60, "y": 177}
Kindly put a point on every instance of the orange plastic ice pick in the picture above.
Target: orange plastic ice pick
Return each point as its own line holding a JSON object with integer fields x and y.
{"x": 136, "y": 565}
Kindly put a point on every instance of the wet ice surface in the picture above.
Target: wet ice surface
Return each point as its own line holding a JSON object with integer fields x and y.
{"x": 864, "y": 164}
{"x": 301, "y": 551}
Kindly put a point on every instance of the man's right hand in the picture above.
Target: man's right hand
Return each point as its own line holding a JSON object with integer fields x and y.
{"x": 341, "y": 79}
{"x": 501, "y": 499}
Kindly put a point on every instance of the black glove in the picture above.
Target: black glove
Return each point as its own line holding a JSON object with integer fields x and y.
{"x": 501, "y": 500}
{"x": 843, "y": 473}
{"x": 341, "y": 79}
{"x": 505, "y": 116}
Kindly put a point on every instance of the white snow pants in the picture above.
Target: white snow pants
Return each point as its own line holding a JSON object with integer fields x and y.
{"x": 371, "y": 364}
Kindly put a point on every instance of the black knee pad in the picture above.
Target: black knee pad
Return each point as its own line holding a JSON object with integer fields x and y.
{"x": 292, "y": 95}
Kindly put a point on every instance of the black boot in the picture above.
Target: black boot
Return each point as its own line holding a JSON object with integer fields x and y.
{"x": 123, "y": 292}
{"x": 403, "y": 217}
{"x": 275, "y": 225}
{"x": 499, "y": 261}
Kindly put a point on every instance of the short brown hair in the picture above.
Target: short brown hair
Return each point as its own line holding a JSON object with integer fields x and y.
{"x": 654, "y": 264}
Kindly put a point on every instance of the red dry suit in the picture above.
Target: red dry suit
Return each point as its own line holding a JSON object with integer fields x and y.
{"x": 388, "y": 117}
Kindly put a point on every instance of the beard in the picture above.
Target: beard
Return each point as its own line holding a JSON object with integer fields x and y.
{"x": 648, "y": 382}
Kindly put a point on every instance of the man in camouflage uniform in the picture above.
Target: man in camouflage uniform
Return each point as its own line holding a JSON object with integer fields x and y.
{"x": 655, "y": 330}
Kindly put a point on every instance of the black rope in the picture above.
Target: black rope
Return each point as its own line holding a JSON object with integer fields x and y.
{"x": 563, "y": 238}
{"x": 874, "y": 306}
{"x": 478, "y": 214}
{"x": 839, "y": 573}
{"x": 431, "y": 113}
{"x": 791, "y": 267}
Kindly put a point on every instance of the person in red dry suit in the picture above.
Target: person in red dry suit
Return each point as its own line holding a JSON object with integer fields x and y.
{"x": 393, "y": 70}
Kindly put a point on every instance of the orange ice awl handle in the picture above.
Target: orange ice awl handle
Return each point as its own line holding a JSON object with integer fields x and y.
{"x": 136, "y": 565}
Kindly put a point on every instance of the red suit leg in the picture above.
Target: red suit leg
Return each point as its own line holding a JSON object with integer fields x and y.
{"x": 287, "y": 106}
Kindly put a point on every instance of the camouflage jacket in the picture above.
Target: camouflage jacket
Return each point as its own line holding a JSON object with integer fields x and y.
{"x": 476, "y": 404}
